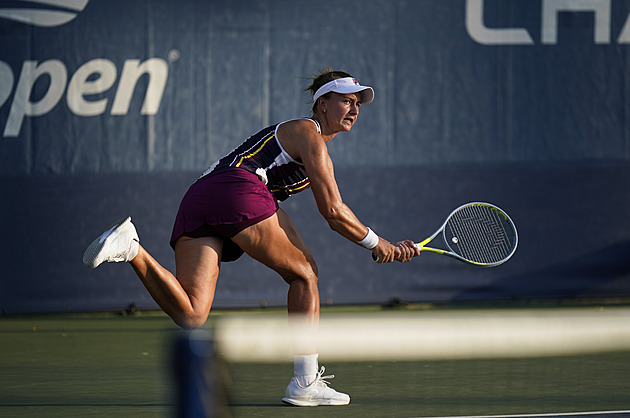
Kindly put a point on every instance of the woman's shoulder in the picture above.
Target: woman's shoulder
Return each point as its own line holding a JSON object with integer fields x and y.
{"x": 300, "y": 124}
{"x": 293, "y": 135}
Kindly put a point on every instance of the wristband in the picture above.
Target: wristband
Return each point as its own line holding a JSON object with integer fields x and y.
{"x": 370, "y": 240}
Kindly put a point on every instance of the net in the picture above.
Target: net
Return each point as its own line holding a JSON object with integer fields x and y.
{"x": 437, "y": 363}
{"x": 432, "y": 336}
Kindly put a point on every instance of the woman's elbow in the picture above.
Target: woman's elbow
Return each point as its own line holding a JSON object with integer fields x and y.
{"x": 332, "y": 215}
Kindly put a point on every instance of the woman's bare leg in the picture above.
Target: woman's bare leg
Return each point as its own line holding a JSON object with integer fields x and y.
{"x": 276, "y": 243}
{"x": 187, "y": 298}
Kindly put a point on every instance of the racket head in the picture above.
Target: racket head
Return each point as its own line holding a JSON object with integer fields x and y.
{"x": 480, "y": 233}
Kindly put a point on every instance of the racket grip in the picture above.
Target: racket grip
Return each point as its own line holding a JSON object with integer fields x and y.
{"x": 375, "y": 257}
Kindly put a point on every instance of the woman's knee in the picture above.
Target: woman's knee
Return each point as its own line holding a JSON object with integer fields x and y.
{"x": 306, "y": 273}
{"x": 191, "y": 320}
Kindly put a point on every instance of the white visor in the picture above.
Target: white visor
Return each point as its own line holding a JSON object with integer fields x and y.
{"x": 344, "y": 86}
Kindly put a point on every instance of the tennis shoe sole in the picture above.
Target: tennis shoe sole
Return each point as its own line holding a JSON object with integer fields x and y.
{"x": 119, "y": 243}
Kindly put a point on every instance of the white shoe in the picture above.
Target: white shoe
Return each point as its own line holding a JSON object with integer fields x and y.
{"x": 119, "y": 243}
{"x": 315, "y": 393}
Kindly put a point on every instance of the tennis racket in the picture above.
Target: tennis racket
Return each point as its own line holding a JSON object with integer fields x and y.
{"x": 476, "y": 233}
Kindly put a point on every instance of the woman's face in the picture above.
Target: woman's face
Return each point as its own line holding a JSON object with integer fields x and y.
{"x": 342, "y": 110}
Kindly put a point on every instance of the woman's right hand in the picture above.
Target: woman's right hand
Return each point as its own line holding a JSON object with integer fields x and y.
{"x": 385, "y": 251}
{"x": 401, "y": 251}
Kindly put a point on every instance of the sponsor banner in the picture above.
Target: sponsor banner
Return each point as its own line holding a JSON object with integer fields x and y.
{"x": 115, "y": 86}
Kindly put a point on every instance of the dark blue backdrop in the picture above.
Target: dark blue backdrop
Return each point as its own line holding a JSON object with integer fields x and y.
{"x": 109, "y": 108}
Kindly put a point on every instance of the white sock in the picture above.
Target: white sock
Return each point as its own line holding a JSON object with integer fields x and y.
{"x": 305, "y": 368}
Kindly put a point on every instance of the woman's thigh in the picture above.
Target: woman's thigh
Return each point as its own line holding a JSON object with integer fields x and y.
{"x": 276, "y": 243}
{"x": 198, "y": 261}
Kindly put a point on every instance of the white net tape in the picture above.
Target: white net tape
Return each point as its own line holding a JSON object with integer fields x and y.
{"x": 428, "y": 335}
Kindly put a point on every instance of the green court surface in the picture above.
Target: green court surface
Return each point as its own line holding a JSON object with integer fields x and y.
{"x": 106, "y": 365}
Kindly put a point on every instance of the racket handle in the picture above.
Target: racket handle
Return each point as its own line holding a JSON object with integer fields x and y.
{"x": 375, "y": 257}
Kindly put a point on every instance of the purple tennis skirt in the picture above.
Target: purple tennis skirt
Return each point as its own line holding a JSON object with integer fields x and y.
{"x": 222, "y": 205}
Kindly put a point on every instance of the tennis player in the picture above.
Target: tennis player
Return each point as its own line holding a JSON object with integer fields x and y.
{"x": 233, "y": 208}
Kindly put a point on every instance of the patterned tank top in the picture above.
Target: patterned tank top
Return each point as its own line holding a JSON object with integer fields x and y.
{"x": 263, "y": 155}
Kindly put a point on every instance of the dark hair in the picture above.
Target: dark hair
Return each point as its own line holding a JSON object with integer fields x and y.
{"x": 322, "y": 78}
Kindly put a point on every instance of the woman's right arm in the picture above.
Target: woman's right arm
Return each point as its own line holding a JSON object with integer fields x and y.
{"x": 309, "y": 146}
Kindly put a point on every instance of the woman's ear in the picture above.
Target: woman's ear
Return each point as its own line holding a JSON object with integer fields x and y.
{"x": 322, "y": 104}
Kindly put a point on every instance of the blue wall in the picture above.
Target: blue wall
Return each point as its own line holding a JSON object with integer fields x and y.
{"x": 109, "y": 108}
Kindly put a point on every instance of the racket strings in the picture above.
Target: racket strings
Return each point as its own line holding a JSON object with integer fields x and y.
{"x": 492, "y": 243}
{"x": 480, "y": 234}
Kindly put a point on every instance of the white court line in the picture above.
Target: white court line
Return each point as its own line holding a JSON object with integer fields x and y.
{"x": 563, "y": 414}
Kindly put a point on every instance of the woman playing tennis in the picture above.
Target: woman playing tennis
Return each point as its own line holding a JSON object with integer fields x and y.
{"x": 233, "y": 208}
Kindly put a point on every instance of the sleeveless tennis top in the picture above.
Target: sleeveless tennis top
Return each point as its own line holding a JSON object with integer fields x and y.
{"x": 263, "y": 155}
